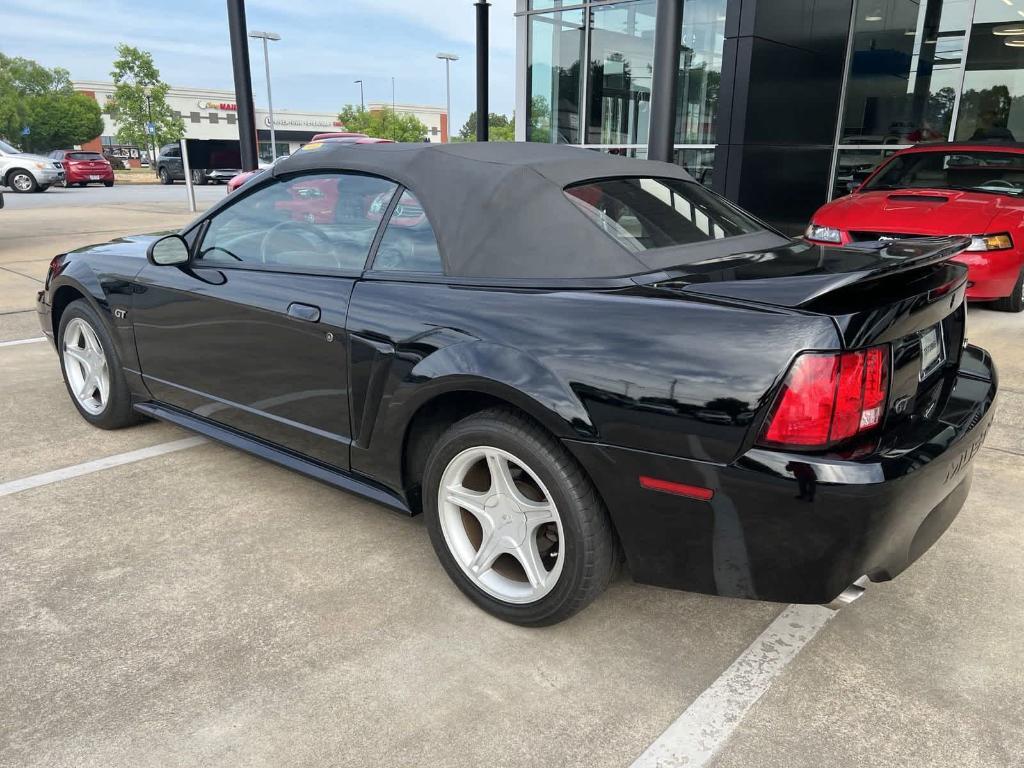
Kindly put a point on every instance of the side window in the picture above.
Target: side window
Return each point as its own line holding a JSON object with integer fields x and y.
{"x": 408, "y": 244}
{"x": 318, "y": 221}
{"x": 173, "y": 152}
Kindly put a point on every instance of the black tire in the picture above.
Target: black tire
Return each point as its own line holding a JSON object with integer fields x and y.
{"x": 199, "y": 178}
{"x": 1015, "y": 301}
{"x": 42, "y": 187}
{"x": 108, "y": 183}
{"x": 117, "y": 411}
{"x": 27, "y": 182}
{"x": 589, "y": 548}
{"x": 165, "y": 177}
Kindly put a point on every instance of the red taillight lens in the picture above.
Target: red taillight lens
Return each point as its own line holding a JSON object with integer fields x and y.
{"x": 830, "y": 397}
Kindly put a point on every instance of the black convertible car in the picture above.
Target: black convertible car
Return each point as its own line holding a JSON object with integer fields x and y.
{"x": 556, "y": 356}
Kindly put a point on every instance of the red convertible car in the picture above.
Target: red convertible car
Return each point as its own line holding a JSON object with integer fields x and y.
{"x": 972, "y": 189}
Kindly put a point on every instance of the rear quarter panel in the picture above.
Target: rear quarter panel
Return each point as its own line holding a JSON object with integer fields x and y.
{"x": 633, "y": 368}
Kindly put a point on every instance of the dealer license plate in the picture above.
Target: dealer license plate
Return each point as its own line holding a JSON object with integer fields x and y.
{"x": 94, "y": 177}
{"x": 933, "y": 351}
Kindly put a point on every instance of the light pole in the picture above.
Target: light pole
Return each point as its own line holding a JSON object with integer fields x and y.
{"x": 362, "y": 103}
{"x": 151, "y": 129}
{"x": 448, "y": 59}
{"x": 265, "y": 36}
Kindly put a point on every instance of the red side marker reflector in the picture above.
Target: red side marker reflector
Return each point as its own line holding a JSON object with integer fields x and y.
{"x": 679, "y": 489}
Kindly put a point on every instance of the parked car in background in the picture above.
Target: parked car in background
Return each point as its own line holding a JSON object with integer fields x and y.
{"x": 25, "y": 172}
{"x": 338, "y": 135}
{"x": 971, "y": 189}
{"x": 556, "y": 356}
{"x": 82, "y": 168}
{"x": 170, "y": 167}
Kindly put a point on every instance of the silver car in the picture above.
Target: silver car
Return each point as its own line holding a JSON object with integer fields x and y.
{"x": 24, "y": 172}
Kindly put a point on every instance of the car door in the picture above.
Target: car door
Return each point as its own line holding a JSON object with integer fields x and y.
{"x": 173, "y": 161}
{"x": 251, "y": 334}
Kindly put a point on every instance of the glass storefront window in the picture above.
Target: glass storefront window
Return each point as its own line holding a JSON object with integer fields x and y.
{"x": 992, "y": 104}
{"x": 619, "y": 51}
{"x": 621, "y": 63}
{"x": 700, "y": 70}
{"x": 553, "y": 77}
{"x": 904, "y": 70}
{"x": 698, "y": 162}
{"x": 266, "y": 156}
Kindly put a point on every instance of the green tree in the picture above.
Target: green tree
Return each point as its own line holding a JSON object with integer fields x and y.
{"x": 43, "y": 100}
{"x": 382, "y": 123}
{"x": 135, "y": 77}
{"x": 499, "y": 128}
{"x": 59, "y": 120}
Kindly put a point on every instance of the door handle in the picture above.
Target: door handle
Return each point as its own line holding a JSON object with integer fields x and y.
{"x": 306, "y": 312}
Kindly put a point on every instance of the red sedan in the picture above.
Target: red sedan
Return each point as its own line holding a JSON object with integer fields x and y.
{"x": 82, "y": 168}
{"x": 974, "y": 189}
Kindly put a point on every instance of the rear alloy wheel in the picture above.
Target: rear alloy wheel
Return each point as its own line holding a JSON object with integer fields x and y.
{"x": 165, "y": 177}
{"x": 1015, "y": 301}
{"x": 528, "y": 541}
{"x": 22, "y": 181}
{"x": 92, "y": 369}
{"x": 198, "y": 178}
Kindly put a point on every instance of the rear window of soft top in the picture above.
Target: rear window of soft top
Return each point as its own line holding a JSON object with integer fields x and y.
{"x": 642, "y": 213}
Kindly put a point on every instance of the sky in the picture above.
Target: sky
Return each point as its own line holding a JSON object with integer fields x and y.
{"x": 325, "y": 45}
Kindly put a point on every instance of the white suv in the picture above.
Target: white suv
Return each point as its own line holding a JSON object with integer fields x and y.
{"x": 23, "y": 172}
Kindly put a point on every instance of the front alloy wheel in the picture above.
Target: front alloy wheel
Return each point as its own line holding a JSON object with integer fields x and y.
{"x": 92, "y": 370}
{"x": 22, "y": 181}
{"x": 514, "y": 520}
{"x": 86, "y": 366}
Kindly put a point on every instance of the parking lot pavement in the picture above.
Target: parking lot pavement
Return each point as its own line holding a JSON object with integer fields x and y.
{"x": 128, "y": 194}
{"x": 204, "y": 607}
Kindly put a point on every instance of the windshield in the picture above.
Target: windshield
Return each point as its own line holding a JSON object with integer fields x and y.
{"x": 980, "y": 171}
{"x": 645, "y": 213}
{"x": 5, "y": 147}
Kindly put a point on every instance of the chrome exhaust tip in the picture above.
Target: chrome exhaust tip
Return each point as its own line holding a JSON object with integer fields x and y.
{"x": 851, "y": 593}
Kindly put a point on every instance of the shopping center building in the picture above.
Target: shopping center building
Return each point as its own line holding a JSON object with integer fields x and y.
{"x": 213, "y": 114}
{"x": 781, "y": 104}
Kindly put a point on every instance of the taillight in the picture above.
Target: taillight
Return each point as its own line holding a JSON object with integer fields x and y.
{"x": 829, "y": 397}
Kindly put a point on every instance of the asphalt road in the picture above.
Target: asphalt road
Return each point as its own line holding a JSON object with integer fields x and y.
{"x": 119, "y": 194}
{"x": 201, "y": 607}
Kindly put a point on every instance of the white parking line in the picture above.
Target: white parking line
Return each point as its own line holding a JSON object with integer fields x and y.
{"x": 77, "y": 470}
{"x": 22, "y": 341}
{"x": 709, "y": 721}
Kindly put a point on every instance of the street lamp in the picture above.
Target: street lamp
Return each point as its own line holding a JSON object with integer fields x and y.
{"x": 265, "y": 36}
{"x": 448, "y": 59}
{"x": 151, "y": 128}
{"x": 362, "y": 104}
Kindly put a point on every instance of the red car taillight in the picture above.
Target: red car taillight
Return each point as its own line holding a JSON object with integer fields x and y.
{"x": 828, "y": 397}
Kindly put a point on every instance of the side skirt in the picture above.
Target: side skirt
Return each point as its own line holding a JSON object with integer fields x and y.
{"x": 334, "y": 477}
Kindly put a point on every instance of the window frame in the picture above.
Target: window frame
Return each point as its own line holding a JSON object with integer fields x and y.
{"x": 400, "y": 274}
{"x": 203, "y": 226}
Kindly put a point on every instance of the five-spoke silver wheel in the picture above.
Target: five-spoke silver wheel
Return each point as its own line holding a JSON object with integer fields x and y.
{"x": 85, "y": 365}
{"x": 501, "y": 525}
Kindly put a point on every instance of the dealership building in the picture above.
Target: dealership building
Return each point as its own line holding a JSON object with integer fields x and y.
{"x": 781, "y": 104}
{"x": 213, "y": 114}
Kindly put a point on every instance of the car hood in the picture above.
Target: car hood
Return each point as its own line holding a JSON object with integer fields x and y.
{"x": 917, "y": 211}
{"x": 129, "y": 245}
{"x": 33, "y": 158}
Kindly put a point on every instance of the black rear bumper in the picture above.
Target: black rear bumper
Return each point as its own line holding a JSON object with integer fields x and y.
{"x": 793, "y": 527}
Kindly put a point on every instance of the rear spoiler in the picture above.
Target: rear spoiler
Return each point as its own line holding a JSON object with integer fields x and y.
{"x": 797, "y": 275}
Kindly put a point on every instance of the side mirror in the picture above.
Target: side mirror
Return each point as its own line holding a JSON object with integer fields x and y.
{"x": 169, "y": 251}
{"x": 1, "y": 199}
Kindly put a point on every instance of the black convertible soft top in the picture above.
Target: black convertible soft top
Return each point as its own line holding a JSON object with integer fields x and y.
{"x": 498, "y": 209}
